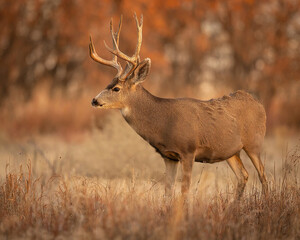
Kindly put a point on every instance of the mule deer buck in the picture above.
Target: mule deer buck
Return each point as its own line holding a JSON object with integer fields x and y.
{"x": 184, "y": 130}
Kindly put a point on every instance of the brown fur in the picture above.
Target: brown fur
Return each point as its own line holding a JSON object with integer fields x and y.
{"x": 189, "y": 130}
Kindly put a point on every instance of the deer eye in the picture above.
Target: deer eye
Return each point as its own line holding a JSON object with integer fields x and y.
{"x": 116, "y": 89}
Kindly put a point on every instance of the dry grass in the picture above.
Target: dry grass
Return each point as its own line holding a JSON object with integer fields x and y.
{"x": 87, "y": 208}
{"x": 109, "y": 186}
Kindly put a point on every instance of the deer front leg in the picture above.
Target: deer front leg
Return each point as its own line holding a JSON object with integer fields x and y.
{"x": 171, "y": 172}
{"x": 187, "y": 165}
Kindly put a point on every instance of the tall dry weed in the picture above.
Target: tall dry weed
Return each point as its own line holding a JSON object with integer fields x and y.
{"x": 92, "y": 208}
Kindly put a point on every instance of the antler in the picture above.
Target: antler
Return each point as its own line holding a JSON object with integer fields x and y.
{"x": 134, "y": 60}
{"x": 115, "y": 39}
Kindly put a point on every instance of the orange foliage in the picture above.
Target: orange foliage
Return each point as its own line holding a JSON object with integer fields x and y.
{"x": 240, "y": 44}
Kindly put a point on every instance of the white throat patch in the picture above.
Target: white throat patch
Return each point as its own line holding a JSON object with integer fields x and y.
{"x": 125, "y": 111}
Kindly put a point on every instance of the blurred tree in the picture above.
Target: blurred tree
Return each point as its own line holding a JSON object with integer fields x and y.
{"x": 238, "y": 44}
{"x": 261, "y": 34}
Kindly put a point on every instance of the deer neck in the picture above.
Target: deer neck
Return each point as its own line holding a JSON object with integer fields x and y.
{"x": 141, "y": 110}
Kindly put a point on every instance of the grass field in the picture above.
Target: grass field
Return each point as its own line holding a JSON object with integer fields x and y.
{"x": 108, "y": 184}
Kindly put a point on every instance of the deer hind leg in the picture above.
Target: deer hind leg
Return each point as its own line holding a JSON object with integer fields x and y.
{"x": 240, "y": 172}
{"x": 255, "y": 158}
{"x": 171, "y": 172}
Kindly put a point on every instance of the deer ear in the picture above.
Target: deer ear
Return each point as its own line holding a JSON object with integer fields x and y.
{"x": 142, "y": 71}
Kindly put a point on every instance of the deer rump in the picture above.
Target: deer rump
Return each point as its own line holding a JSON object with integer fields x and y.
{"x": 212, "y": 131}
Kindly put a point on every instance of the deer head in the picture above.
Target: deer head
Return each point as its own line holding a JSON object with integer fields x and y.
{"x": 125, "y": 81}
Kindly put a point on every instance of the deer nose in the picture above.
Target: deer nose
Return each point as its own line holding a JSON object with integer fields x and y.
{"x": 95, "y": 102}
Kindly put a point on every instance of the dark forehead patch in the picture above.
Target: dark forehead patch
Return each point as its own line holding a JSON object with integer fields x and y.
{"x": 113, "y": 83}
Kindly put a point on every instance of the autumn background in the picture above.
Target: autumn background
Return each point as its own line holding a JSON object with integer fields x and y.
{"x": 200, "y": 49}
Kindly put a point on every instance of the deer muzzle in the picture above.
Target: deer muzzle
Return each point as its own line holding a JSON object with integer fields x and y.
{"x": 95, "y": 103}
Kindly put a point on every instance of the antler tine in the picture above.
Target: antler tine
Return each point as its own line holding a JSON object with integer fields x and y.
{"x": 113, "y": 63}
{"x": 118, "y": 53}
{"x": 139, "y": 27}
{"x": 119, "y": 30}
{"x": 115, "y": 35}
{"x": 96, "y": 57}
{"x": 131, "y": 61}
{"x": 135, "y": 58}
